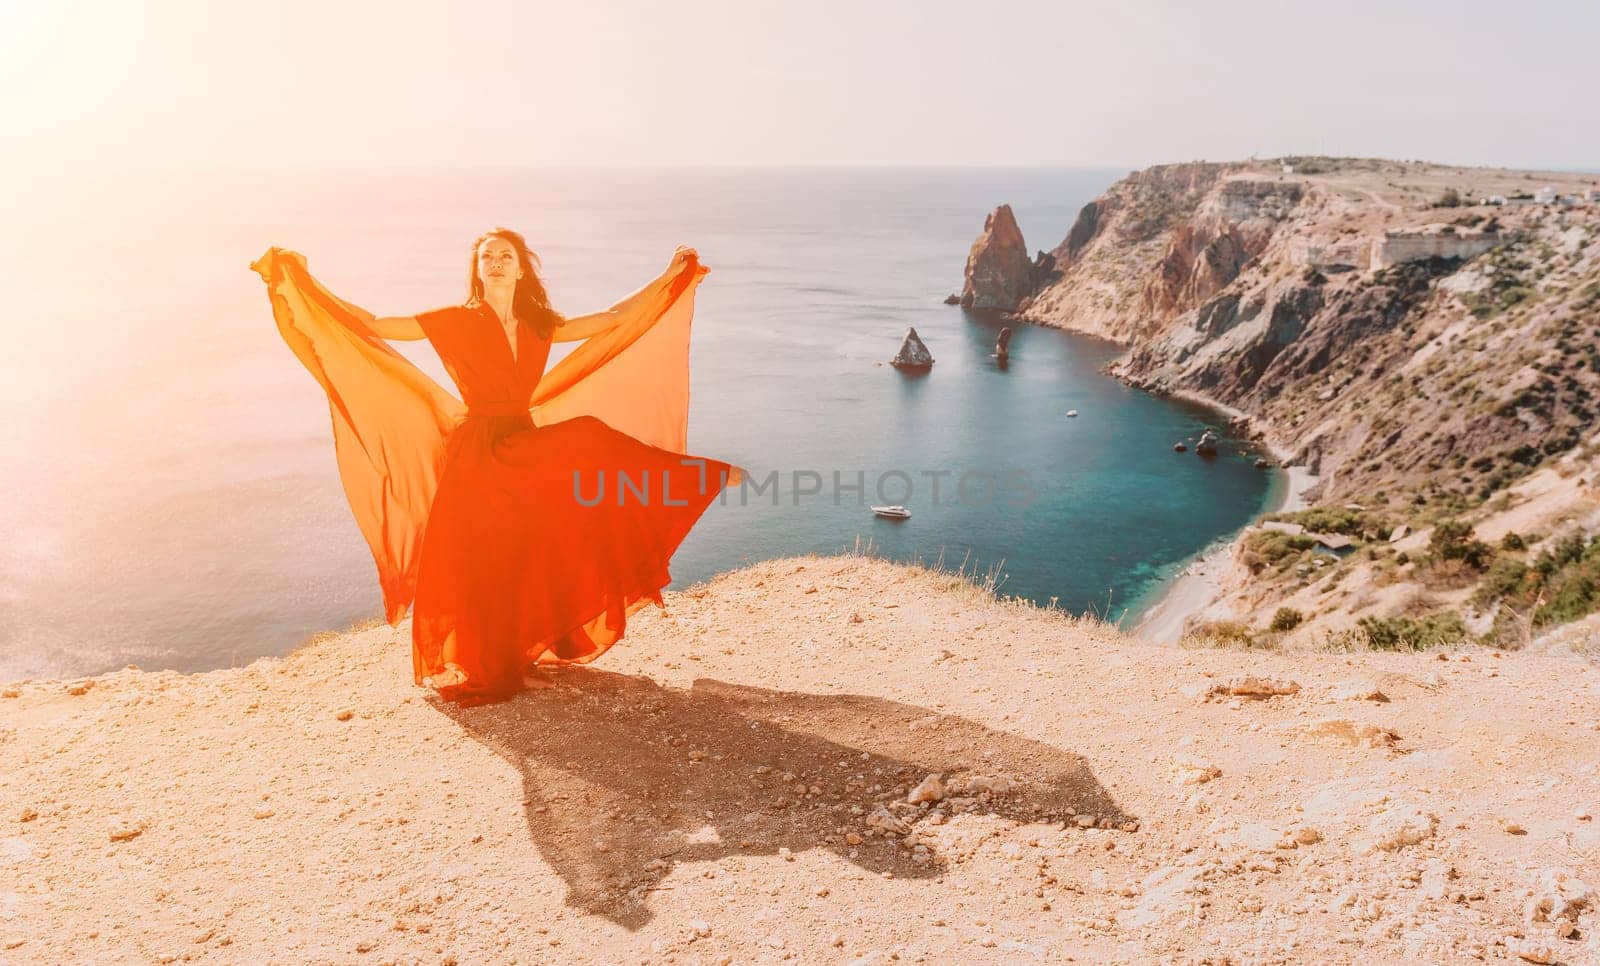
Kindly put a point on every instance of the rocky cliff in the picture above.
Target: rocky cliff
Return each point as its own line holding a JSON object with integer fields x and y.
{"x": 1384, "y": 342}
{"x": 1424, "y": 354}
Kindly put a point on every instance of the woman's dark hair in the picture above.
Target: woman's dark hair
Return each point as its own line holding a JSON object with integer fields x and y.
{"x": 531, "y": 302}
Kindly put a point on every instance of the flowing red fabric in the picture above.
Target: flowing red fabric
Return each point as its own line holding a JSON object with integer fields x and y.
{"x": 526, "y": 521}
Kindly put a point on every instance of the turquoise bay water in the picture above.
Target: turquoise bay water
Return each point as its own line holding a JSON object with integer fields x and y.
{"x": 171, "y": 498}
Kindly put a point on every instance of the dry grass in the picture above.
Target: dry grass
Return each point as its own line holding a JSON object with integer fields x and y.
{"x": 1230, "y": 636}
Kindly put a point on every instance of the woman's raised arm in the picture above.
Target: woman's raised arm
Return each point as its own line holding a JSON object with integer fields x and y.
{"x": 583, "y": 326}
{"x": 401, "y": 327}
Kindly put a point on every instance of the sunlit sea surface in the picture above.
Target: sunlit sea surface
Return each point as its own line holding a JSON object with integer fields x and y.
{"x": 170, "y": 497}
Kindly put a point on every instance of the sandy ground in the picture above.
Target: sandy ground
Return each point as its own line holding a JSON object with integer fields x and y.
{"x": 1197, "y": 586}
{"x": 730, "y": 785}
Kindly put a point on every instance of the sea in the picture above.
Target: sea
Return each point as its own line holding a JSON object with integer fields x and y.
{"x": 168, "y": 496}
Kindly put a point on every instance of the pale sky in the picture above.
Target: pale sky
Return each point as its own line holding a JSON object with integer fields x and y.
{"x": 988, "y": 82}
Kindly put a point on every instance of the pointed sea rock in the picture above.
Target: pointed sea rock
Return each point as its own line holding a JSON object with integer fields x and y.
{"x": 913, "y": 354}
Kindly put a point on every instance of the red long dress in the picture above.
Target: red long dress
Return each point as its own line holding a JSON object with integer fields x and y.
{"x": 529, "y": 519}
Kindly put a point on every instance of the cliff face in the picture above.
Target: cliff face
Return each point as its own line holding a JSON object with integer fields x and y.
{"x": 1158, "y": 243}
{"x": 1394, "y": 347}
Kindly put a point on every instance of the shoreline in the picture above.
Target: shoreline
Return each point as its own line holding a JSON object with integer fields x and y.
{"x": 1197, "y": 585}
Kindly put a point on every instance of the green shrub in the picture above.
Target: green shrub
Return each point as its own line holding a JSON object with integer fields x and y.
{"x": 1561, "y": 584}
{"x": 1574, "y": 597}
{"x": 1407, "y": 634}
{"x": 1525, "y": 454}
{"x": 1335, "y": 519}
{"x": 1454, "y": 540}
{"x": 1566, "y": 551}
{"x": 1513, "y": 541}
{"x": 1274, "y": 548}
{"x": 1505, "y": 578}
{"x": 1286, "y": 619}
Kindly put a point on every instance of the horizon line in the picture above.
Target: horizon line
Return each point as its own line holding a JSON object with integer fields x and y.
{"x": 138, "y": 166}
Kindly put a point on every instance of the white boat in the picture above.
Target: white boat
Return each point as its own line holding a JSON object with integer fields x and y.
{"x": 897, "y": 511}
{"x": 1072, "y": 412}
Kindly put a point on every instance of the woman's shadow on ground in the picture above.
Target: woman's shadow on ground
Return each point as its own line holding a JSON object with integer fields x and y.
{"x": 625, "y": 778}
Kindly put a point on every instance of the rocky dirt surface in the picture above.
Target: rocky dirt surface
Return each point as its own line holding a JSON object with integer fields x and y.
{"x": 819, "y": 759}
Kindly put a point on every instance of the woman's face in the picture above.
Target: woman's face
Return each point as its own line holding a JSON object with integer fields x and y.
{"x": 498, "y": 265}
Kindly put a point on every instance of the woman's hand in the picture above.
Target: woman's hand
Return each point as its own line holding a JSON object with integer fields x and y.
{"x": 681, "y": 258}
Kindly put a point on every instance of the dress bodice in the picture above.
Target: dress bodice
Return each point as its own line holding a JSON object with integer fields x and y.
{"x": 472, "y": 344}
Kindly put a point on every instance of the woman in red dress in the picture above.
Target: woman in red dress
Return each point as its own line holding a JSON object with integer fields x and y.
{"x": 526, "y": 521}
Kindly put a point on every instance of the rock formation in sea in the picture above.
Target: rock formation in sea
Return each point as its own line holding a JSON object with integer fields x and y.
{"x": 999, "y": 273}
{"x": 1002, "y": 345}
{"x": 913, "y": 353}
